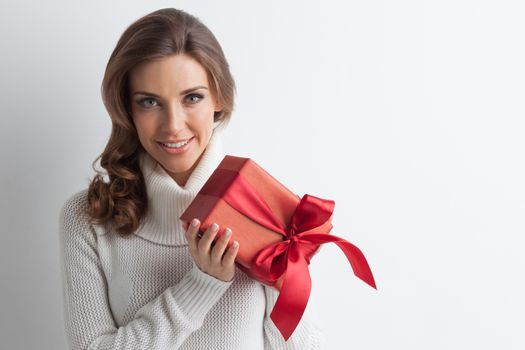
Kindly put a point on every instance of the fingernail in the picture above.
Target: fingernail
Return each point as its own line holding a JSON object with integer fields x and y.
{"x": 235, "y": 244}
{"x": 228, "y": 231}
{"x": 214, "y": 227}
{"x": 194, "y": 222}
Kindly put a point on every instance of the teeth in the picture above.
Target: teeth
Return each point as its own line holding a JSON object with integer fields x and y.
{"x": 176, "y": 145}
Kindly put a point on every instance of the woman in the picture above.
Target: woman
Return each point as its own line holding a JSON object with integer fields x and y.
{"x": 134, "y": 277}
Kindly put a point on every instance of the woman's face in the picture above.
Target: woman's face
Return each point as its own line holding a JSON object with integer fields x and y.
{"x": 171, "y": 101}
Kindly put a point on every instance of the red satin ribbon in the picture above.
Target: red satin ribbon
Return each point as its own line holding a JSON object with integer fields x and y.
{"x": 291, "y": 256}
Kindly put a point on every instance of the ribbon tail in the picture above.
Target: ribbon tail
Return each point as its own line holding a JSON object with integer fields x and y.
{"x": 355, "y": 257}
{"x": 358, "y": 262}
{"x": 293, "y": 297}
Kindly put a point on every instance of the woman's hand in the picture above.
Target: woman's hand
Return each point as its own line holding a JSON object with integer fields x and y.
{"x": 212, "y": 260}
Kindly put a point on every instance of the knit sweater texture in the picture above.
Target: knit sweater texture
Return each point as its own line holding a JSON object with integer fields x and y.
{"x": 144, "y": 291}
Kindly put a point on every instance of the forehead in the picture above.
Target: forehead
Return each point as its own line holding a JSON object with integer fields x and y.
{"x": 168, "y": 74}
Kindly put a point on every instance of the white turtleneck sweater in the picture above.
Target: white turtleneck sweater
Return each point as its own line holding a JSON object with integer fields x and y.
{"x": 144, "y": 291}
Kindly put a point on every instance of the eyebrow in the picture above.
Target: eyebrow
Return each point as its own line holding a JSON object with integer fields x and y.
{"x": 182, "y": 92}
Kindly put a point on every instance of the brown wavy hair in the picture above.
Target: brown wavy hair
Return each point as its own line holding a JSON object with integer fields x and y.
{"x": 123, "y": 199}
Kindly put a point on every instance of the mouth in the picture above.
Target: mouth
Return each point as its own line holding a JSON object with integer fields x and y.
{"x": 177, "y": 147}
{"x": 175, "y": 141}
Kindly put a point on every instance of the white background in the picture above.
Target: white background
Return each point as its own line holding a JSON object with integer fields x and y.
{"x": 409, "y": 114}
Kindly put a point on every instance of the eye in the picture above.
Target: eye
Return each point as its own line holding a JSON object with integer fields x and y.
{"x": 198, "y": 96}
{"x": 141, "y": 102}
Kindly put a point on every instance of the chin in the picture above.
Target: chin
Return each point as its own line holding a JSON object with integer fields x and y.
{"x": 177, "y": 166}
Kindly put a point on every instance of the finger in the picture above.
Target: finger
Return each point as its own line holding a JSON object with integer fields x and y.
{"x": 231, "y": 254}
{"x": 191, "y": 234}
{"x": 206, "y": 239}
{"x": 220, "y": 246}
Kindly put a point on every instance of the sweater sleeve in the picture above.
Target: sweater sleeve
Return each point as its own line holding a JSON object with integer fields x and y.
{"x": 163, "y": 323}
{"x": 307, "y": 336}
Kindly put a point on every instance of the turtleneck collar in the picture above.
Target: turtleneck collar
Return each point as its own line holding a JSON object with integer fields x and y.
{"x": 167, "y": 200}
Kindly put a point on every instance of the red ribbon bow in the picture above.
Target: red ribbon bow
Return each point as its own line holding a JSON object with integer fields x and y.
{"x": 291, "y": 256}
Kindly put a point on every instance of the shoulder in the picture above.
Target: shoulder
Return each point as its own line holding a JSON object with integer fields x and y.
{"x": 75, "y": 206}
{"x": 74, "y": 217}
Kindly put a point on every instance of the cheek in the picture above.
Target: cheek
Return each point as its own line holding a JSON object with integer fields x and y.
{"x": 203, "y": 114}
{"x": 144, "y": 126}
{"x": 204, "y": 109}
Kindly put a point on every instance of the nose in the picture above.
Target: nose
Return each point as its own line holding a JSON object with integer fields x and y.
{"x": 175, "y": 118}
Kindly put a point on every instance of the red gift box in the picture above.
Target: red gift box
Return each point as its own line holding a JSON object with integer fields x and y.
{"x": 278, "y": 232}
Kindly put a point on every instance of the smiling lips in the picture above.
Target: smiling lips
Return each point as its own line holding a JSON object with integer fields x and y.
{"x": 175, "y": 141}
{"x": 176, "y": 149}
